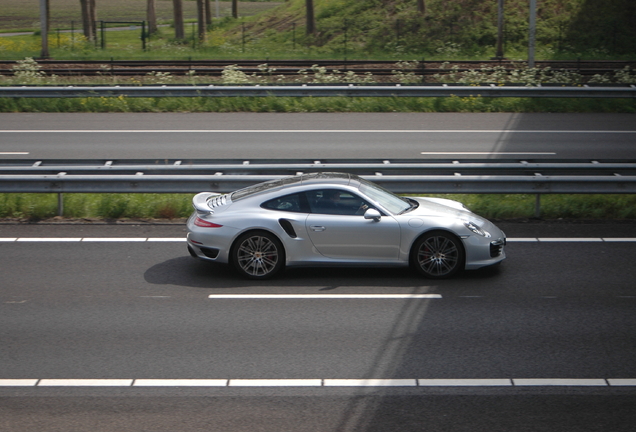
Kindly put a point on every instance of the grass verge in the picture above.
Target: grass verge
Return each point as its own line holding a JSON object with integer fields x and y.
{"x": 36, "y": 207}
{"x": 311, "y": 104}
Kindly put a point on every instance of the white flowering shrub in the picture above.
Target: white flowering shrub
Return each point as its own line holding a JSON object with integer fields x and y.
{"x": 232, "y": 75}
{"x": 158, "y": 77}
{"x": 404, "y": 74}
{"x": 28, "y": 71}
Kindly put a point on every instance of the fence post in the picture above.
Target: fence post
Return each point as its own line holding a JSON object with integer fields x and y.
{"x": 345, "y": 38}
{"x": 102, "y": 34}
{"x": 143, "y": 35}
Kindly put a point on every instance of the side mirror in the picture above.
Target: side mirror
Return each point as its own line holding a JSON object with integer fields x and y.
{"x": 372, "y": 214}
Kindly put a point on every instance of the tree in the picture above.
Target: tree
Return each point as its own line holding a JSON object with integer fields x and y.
{"x": 500, "y": 29}
{"x": 421, "y": 7}
{"x": 201, "y": 20}
{"x": 151, "y": 16}
{"x": 311, "y": 24}
{"x": 208, "y": 14}
{"x": 177, "y": 9}
{"x": 93, "y": 17}
{"x": 89, "y": 18}
{"x": 44, "y": 27}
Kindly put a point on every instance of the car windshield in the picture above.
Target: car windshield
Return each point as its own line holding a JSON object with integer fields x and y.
{"x": 385, "y": 198}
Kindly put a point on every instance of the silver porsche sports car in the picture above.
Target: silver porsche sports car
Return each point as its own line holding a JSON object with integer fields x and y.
{"x": 338, "y": 219}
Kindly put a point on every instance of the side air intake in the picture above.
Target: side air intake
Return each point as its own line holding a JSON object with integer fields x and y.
{"x": 287, "y": 226}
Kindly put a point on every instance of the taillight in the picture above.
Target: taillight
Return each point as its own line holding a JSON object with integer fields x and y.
{"x": 205, "y": 224}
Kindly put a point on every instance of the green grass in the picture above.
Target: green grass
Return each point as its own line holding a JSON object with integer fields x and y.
{"x": 100, "y": 206}
{"x": 35, "y": 207}
{"x": 309, "y": 104}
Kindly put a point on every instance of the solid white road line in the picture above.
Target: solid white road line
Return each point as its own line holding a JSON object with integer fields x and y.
{"x": 49, "y": 239}
{"x": 180, "y": 383}
{"x": 464, "y": 382}
{"x": 93, "y": 239}
{"x": 325, "y": 296}
{"x": 13, "y": 153}
{"x": 566, "y": 239}
{"x": 370, "y": 383}
{"x": 183, "y": 239}
{"x": 441, "y": 382}
{"x": 85, "y": 383}
{"x": 275, "y": 383}
{"x": 18, "y": 382}
{"x": 559, "y": 382}
{"x": 261, "y": 131}
{"x": 114, "y": 239}
{"x": 487, "y": 153}
{"x": 622, "y": 381}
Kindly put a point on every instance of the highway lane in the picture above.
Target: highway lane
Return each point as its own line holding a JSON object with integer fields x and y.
{"x": 343, "y": 135}
{"x": 133, "y": 309}
{"x": 141, "y": 310}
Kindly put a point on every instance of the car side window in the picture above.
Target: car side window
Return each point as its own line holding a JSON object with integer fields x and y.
{"x": 336, "y": 201}
{"x": 292, "y": 203}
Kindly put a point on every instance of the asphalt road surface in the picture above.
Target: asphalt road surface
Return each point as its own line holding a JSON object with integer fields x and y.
{"x": 342, "y": 135}
{"x": 116, "y": 328}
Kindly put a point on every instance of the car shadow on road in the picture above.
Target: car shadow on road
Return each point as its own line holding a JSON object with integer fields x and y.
{"x": 187, "y": 272}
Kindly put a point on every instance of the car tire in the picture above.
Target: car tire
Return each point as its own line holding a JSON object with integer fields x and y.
{"x": 438, "y": 255}
{"x": 258, "y": 255}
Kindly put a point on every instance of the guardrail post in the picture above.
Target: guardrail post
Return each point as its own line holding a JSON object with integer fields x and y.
{"x": 60, "y": 204}
{"x": 537, "y": 206}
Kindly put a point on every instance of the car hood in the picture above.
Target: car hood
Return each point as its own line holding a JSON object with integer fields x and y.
{"x": 438, "y": 207}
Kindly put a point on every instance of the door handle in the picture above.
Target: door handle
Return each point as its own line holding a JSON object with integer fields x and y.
{"x": 317, "y": 228}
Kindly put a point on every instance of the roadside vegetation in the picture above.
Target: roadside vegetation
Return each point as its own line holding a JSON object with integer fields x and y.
{"x": 28, "y": 72}
{"x": 106, "y": 207}
{"x": 362, "y": 29}
{"x": 345, "y": 29}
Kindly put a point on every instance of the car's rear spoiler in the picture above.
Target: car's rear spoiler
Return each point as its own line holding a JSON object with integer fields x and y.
{"x": 200, "y": 202}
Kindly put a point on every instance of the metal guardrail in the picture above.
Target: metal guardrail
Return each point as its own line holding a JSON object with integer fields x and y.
{"x": 351, "y": 90}
{"x": 398, "y": 184}
{"x": 398, "y": 176}
{"x": 293, "y": 166}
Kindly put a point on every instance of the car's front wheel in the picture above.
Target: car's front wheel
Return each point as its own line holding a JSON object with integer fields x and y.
{"x": 438, "y": 255}
{"x": 258, "y": 255}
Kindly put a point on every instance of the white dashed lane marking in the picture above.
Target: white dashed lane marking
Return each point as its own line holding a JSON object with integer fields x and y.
{"x": 325, "y": 296}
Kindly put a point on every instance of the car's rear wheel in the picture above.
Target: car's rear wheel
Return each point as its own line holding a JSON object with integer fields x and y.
{"x": 258, "y": 255}
{"x": 438, "y": 255}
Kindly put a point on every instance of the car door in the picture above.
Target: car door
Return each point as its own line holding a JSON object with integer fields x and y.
{"x": 339, "y": 230}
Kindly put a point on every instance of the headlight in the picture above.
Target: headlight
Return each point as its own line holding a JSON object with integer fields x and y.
{"x": 476, "y": 229}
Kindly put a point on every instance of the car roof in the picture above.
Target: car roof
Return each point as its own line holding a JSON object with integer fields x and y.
{"x": 320, "y": 178}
